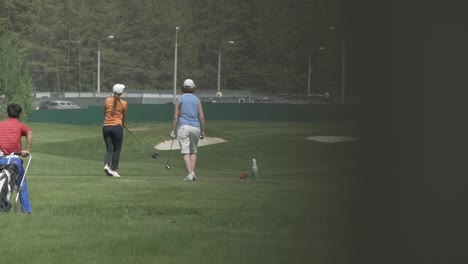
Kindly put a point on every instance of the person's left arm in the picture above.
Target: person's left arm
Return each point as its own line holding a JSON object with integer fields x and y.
{"x": 29, "y": 140}
{"x": 201, "y": 117}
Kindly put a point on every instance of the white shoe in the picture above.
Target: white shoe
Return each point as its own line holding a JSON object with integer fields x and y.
{"x": 115, "y": 174}
{"x": 193, "y": 176}
{"x": 108, "y": 171}
{"x": 189, "y": 177}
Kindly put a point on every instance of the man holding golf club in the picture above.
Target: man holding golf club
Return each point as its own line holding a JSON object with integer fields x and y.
{"x": 114, "y": 122}
{"x": 189, "y": 120}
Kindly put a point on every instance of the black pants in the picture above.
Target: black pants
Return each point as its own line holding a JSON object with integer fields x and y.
{"x": 113, "y": 137}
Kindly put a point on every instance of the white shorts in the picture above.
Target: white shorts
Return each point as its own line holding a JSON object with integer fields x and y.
{"x": 188, "y": 137}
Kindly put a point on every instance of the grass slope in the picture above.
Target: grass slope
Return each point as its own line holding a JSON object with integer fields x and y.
{"x": 301, "y": 210}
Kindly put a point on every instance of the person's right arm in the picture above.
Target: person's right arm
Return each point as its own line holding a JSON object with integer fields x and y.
{"x": 175, "y": 118}
{"x": 124, "y": 114}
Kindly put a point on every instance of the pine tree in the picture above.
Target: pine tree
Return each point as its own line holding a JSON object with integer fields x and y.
{"x": 59, "y": 41}
{"x": 15, "y": 81}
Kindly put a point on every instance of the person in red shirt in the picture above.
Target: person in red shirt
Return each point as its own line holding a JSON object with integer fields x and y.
{"x": 115, "y": 110}
{"x": 11, "y": 133}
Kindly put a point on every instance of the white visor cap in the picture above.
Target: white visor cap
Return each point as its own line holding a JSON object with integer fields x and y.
{"x": 189, "y": 84}
{"x": 118, "y": 88}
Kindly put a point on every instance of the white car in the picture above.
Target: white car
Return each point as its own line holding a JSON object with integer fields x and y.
{"x": 62, "y": 105}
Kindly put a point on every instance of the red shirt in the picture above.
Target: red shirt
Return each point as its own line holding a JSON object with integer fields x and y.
{"x": 11, "y": 131}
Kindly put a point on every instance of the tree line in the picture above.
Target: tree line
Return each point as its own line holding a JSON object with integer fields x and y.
{"x": 265, "y": 45}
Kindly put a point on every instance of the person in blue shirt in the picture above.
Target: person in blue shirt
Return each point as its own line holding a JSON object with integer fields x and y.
{"x": 189, "y": 121}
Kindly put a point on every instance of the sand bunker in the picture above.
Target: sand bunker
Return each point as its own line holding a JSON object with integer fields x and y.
{"x": 331, "y": 139}
{"x": 166, "y": 145}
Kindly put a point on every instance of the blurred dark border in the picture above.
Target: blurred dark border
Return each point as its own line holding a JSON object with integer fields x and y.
{"x": 413, "y": 71}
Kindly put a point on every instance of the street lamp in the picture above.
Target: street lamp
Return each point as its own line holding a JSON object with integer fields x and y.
{"x": 175, "y": 65}
{"x": 343, "y": 66}
{"x": 99, "y": 65}
{"x": 79, "y": 64}
{"x": 58, "y": 76}
{"x": 310, "y": 69}
{"x": 218, "y": 93}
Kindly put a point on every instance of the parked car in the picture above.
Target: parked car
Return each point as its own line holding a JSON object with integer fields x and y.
{"x": 63, "y": 105}
{"x": 42, "y": 105}
{"x": 56, "y": 104}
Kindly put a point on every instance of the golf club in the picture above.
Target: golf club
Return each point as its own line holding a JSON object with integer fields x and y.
{"x": 168, "y": 167}
{"x": 154, "y": 156}
{"x": 20, "y": 187}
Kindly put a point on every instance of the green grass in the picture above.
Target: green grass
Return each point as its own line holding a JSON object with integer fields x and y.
{"x": 301, "y": 210}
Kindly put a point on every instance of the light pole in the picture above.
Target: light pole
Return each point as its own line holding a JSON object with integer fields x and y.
{"x": 79, "y": 65}
{"x": 218, "y": 93}
{"x": 310, "y": 69}
{"x": 99, "y": 65}
{"x": 343, "y": 66}
{"x": 58, "y": 76}
{"x": 175, "y": 65}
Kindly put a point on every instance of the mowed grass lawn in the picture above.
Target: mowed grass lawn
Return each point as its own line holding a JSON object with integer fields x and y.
{"x": 302, "y": 209}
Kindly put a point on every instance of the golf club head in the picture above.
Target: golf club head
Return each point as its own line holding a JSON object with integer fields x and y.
{"x": 168, "y": 167}
{"x": 155, "y": 156}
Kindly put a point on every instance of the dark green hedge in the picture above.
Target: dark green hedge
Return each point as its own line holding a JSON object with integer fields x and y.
{"x": 248, "y": 112}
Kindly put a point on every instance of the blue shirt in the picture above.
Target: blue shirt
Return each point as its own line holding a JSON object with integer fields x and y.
{"x": 188, "y": 110}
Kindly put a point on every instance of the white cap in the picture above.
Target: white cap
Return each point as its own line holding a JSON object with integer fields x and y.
{"x": 189, "y": 84}
{"x": 118, "y": 88}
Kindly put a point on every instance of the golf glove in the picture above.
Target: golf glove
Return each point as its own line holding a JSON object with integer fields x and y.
{"x": 173, "y": 135}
